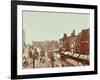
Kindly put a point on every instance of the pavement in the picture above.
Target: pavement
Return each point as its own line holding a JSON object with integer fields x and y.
{"x": 48, "y": 63}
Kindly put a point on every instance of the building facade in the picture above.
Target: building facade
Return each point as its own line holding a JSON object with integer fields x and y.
{"x": 76, "y": 43}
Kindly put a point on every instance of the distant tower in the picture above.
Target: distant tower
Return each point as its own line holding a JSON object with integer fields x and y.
{"x": 73, "y": 33}
{"x": 65, "y": 35}
{"x": 23, "y": 37}
{"x": 72, "y": 42}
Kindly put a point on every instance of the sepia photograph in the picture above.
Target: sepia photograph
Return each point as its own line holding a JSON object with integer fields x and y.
{"x": 55, "y": 39}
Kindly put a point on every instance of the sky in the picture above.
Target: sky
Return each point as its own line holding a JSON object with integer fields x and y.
{"x": 40, "y": 26}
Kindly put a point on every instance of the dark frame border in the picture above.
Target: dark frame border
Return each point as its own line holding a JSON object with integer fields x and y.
{"x": 14, "y": 39}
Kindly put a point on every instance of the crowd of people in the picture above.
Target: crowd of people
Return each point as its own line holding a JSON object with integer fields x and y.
{"x": 30, "y": 54}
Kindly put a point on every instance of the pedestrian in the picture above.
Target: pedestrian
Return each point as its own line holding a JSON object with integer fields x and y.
{"x": 24, "y": 62}
{"x": 42, "y": 55}
{"x": 32, "y": 55}
{"x": 52, "y": 59}
{"x": 36, "y": 54}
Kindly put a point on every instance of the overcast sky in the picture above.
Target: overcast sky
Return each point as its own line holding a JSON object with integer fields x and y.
{"x": 40, "y": 26}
